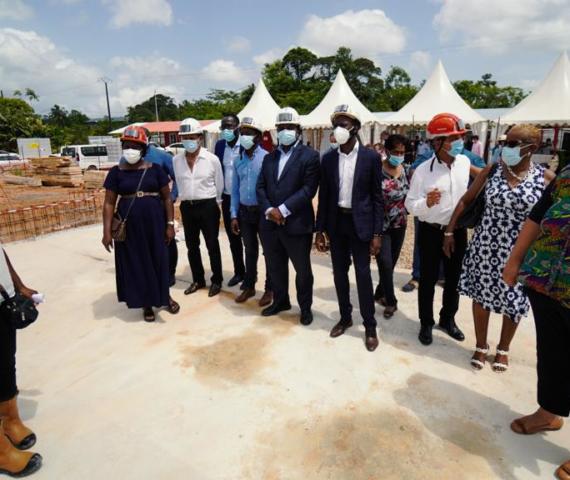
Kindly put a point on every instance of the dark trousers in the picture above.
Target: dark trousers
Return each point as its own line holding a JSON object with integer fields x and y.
{"x": 430, "y": 240}
{"x": 202, "y": 218}
{"x": 392, "y": 241}
{"x": 552, "y": 322}
{"x": 8, "y": 387}
{"x": 249, "y": 225}
{"x": 172, "y": 261}
{"x": 236, "y": 245}
{"x": 344, "y": 244}
{"x": 416, "y": 261}
{"x": 280, "y": 247}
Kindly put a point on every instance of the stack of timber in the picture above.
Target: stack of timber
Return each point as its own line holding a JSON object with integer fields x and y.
{"x": 20, "y": 180}
{"x": 57, "y": 171}
{"x": 94, "y": 179}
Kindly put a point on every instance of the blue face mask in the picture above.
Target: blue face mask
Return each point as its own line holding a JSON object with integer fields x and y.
{"x": 287, "y": 137}
{"x": 334, "y": 145}
{"x": 228, "y": 135}
{"x": 396, "y": 160}
{"x": 456, "y": 147}
{"x": 190, "y": 145}
{"x": 511, "y": 155}
{"x": 247, "y": 141}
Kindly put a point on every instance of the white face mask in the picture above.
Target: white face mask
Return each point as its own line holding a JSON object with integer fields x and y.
{"x": 342, "y": 135}
{"x": 132, "y": 155}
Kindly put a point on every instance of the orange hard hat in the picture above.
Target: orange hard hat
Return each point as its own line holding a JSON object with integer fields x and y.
{"x": 445, "y": 124}
{"x": 135, "y": 133}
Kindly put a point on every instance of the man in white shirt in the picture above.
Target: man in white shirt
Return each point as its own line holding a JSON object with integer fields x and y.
{"x": 436, "y": 187}
{"x": 200, "y": 185}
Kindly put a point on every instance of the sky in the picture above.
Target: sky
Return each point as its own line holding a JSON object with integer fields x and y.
{"x": 63, "y": 48}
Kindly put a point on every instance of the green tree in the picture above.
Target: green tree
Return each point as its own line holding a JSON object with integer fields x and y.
{"x": 145, "y": 111}
{"x": 18, "y": 119}
{"x": 485, "y": 93}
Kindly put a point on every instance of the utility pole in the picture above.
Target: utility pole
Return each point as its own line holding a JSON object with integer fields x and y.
{"x": 106, "y": 80}
{"x": 155, "y": 107}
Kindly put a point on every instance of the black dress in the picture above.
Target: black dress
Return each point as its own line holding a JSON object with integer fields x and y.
{"x": 141, "y": 262}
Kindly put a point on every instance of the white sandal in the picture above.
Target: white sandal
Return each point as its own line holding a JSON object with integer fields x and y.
{"x": 478, "y": 364}
{"x": 498, "y": 366}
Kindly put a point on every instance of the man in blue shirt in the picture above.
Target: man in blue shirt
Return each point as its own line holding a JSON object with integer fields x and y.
{"x": 164, "y": 159}
{"x": 245, "y": 211}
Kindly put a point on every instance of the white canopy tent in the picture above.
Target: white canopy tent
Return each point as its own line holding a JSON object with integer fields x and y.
{"x": 319, "y": 119}
{"x": 549, "y": 104}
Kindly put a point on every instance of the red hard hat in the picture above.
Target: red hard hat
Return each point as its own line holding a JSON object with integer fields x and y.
{"x": 134, "y": 133}
{"x": 445, "y": 124}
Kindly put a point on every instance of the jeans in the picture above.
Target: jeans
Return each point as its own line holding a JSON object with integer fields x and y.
{"x": 392, "y": 241}
{"x": 236, "y": 246}
{"x": 249, "y": 225}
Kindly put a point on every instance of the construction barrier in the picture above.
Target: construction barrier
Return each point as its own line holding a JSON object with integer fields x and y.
{"x": 30, "y": 222}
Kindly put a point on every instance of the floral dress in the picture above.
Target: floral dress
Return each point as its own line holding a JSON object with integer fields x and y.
{"x": 506, "y": 209}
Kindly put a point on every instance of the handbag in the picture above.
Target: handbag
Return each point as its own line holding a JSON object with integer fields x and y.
{"x": 119, "y": 224}
{"x": 20, "y": 311}
{"x": 472, "y": 215}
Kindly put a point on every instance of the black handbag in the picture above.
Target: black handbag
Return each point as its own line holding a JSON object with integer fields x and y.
{"x": 471, "y": 216}
{"x": 19, "y": 310}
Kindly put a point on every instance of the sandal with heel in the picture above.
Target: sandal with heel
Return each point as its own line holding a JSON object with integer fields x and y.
{"x": 478, "y": 364}
{"x": 500, "y": 367}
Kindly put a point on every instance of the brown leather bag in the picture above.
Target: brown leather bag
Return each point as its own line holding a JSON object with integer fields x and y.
{"x": 119, "y": 224}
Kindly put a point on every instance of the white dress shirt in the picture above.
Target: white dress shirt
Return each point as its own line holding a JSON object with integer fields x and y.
{"x": 231, "y": 154}
{"x": 205, "y": 181}
{"x": 451, "y": 181}
{"x": 5, "y": 277}
{"x": 283, "y": 159}
{"x": 346, "y": 167}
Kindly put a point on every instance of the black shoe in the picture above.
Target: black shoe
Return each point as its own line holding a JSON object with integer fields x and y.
{"x": 275, "y": 309}
{"x": 194, "y": 287}
{"x": 425, "y": 337}
{"x": 452, "y": 330}
{"x": 306, "y": 317}
{"x": 215, "y": 288}
{"x": 235, "y": 280}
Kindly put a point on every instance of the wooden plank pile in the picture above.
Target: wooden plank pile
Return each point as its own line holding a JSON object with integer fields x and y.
{"x": 94, "y": 179}
{"x": 57, "y": 171}
{"x": 20, "y": 180}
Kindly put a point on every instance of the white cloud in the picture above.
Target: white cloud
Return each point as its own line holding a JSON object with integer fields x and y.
{"x": 15, "y": 10}
{"x": 268, "y": 56}
{"x": 420, "y": 61}
{"x": 366, "y": 32}
{"x": 127, "y": 12}
{"x": 238, "y": 45}
{"x": 225, "y": 71}
{"x": 499, "y": 26}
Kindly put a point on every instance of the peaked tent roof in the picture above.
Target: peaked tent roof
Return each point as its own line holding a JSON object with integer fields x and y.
{"x": 261, "y": 107}
{"x": 549, "y": 104}
{"x": 340, "y": 93}
{"x": 436, "y": 96}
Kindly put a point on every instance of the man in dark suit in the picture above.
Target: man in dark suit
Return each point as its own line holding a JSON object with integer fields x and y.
{"x": 287, "y": 183}
{"x": 228, "y": 149}
{"x": 351, "y": 213}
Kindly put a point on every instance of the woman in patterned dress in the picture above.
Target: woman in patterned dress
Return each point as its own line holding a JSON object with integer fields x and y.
{"x": 514, "y": 185}
{"x": 395, "y": 187}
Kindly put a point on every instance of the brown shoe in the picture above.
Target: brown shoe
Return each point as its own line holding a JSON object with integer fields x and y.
{"x": 371, "y": 340}
{"x": 245, "y": 294}
{"x": 390, "y": 310}
{"x": 340, "y": 328}
{"x": 14, "y": 462}
{"x": 266, "y": 299}
{"x": 563, "y": 471}
{"x": 20, "y": 435}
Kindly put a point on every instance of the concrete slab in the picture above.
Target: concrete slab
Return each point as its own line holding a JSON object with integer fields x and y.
{"x": 218, "y": 392}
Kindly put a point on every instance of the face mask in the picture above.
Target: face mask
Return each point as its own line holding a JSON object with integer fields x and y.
{"x": 342, "y": 135}
{"x": 287, "y": 137}
{"x": 396, "y": 160}
{"x": 190, "y": 145}
{"x": 228, "y": 135}
{"x": 334, "y": 145}
{"x": 246, "y": 141}
{"x": 511, "y": 155}
{"x": 132, "y": 155}
{"x": 456, "y": 147}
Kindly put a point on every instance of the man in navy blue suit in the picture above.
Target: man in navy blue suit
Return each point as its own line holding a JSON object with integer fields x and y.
{"x": 351, "y": 213}
{"x": 287, "y": 183}
{"x": 228, "y": 150}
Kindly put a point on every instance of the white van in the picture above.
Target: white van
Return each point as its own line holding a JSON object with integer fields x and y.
{"x": 89, "y": 157}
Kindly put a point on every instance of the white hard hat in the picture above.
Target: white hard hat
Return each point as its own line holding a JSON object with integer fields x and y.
{"x": 250, "y": 122}
{"x": 288, "y": 116}
{"x": 190, "y": 126}
{"x": 346, "y": 111}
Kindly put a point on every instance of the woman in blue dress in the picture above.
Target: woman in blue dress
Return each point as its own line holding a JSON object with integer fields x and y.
{"x": 141, "y": 260}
